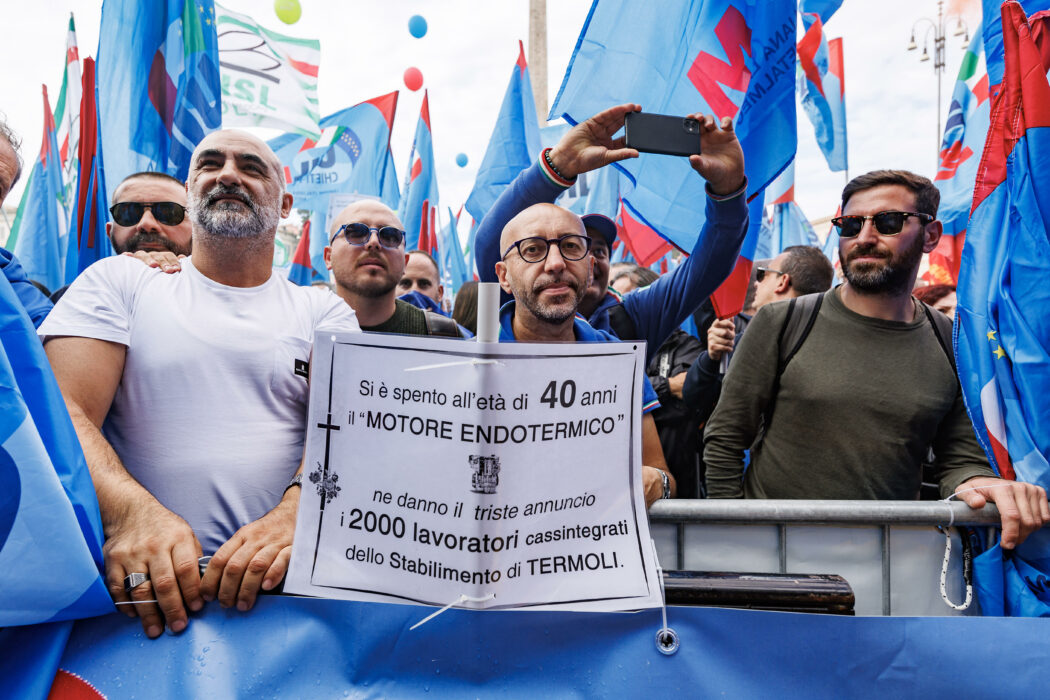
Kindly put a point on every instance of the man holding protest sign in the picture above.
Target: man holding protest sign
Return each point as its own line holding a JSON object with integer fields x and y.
{"x": 225, "y": 343}
{"x": 547, "y": 268}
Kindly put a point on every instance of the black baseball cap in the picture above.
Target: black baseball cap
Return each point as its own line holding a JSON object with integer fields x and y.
{"x": 603, "y": 225}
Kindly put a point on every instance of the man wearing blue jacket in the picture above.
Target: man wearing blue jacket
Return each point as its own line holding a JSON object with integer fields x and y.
{"x": 547, "y": 269}
{"x": 654, "y": 312}
{"x": 36, "y": 304}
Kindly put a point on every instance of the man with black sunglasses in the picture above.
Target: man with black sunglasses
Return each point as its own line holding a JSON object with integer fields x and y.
{"x": 854, "y": 412}
{"x": 149, "y": 213}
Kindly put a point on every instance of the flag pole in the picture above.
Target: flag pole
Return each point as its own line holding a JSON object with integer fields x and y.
{"x": 538, "y": 56}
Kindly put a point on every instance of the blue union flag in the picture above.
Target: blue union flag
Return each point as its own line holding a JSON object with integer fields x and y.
{"x": 729, "y": 58}
{"x": 1003, "y": 329}
{"x": 419, "y": 204}
{"x": 964, "y": 134}
{"x": 514, "y": 144}
{"x": 160, "y": 92}
{"x": 352, "y": 156}
{"x": 42, "y": 213}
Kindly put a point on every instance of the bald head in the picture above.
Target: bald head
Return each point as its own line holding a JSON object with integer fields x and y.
{"x": 365, "y": 211}
{"x": 540, "y": 217}
{"x": 251, "y": 147}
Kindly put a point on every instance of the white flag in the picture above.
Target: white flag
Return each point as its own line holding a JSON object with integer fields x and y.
{"x": 268, "y": 79}
{"x": 67, "y": 115}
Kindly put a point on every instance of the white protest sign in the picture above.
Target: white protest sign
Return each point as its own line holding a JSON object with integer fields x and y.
{"x": 437, "y": 468}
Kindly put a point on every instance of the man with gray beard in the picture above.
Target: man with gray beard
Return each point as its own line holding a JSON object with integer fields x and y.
{"x": 188, "y": 393}
{"x": 856, "y": 410}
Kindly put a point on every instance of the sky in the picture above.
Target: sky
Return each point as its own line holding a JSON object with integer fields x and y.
{"x": 466, "y": 59}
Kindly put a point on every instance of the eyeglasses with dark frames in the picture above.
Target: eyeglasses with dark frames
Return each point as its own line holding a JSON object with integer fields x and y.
{"x": 535, "y": 249}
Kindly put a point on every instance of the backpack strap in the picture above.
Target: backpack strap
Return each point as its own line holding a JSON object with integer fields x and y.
{"x": 942, "y": 328}
{"x": 621, "y": 324}
{"x": 801, "y": 315}
{"x": 438, "y": 324}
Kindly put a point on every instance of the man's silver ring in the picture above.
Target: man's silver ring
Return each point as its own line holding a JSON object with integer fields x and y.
{"x": 135, "y": 580}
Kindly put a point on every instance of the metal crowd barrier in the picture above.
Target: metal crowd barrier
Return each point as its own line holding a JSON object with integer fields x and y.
{"x": 882, "y": 544}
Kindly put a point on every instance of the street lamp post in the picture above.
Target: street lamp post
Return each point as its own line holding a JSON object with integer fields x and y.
{"x": 939, "y": 30}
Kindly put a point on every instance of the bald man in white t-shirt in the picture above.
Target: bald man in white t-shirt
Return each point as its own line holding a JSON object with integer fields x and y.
{"x": 188, "y": 393}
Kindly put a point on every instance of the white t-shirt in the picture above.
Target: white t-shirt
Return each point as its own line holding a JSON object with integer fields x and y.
{"x": 210, "y": 413}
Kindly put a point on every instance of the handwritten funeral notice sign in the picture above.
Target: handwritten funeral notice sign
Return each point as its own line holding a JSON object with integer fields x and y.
{"x": 438, "y": 468}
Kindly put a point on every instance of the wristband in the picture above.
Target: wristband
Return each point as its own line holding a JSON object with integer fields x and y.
{"x": 552, "y": 173}
{"x": 297, "y": 480}
{"x": 667, "y": 484}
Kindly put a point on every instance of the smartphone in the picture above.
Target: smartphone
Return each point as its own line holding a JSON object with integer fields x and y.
{"x": 662, "y": 133}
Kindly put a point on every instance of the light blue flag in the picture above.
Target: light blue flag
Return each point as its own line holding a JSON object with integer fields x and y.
{"x": 48, "y": 496}
{"x": 453, "y": 262}
{"x": 42, "y": 212}
{"x": 831, "y": 246}
{"x": 964, "y": 134}
{"x": 787, "y": 225}
{"x": 50, "y": 529}
{"x": 160, "y": 91}
{"x": 309, "y": 647}
{"x": 418, "y": 212}
{"x": 1002, "y": 327}
{"x": 595, "y": 192}
{"x": 823, "y": 8}
{"x": 352, "y": 157}
{"x": 727, "y": 57}
{"x": 514, "y": 144}
{"x": 822, "y": 90}
{"x": 87, "y": 241}
{"x": 991, "y": 31}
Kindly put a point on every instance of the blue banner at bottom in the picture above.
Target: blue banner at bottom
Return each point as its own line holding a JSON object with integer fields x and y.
{"x": 294, "y": 648}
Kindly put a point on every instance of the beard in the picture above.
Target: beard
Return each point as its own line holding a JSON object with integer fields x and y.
{"x": 222, "y": 218}
{"x": 369, "y": 286}
{"x": 551, "y": 312}
{"x": 147, "y": 240}
{"x": 892, "y": 275}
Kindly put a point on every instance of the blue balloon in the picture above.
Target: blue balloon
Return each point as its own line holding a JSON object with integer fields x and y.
{"x": 417, "y": 26}
{"x": 461, "y": 160}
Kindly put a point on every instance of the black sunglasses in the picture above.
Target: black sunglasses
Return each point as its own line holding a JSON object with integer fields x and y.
{"x": 761, "y": 274}
{"x": 359, "y": 234}
{"x": 888, "y": 223}
{"x": 130, "y": 213}
{"x": 535, "y": 249}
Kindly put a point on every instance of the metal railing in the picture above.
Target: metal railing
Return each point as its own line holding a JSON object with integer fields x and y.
{"x": 782, "y": 513}
{"x": 733, "y": 511}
